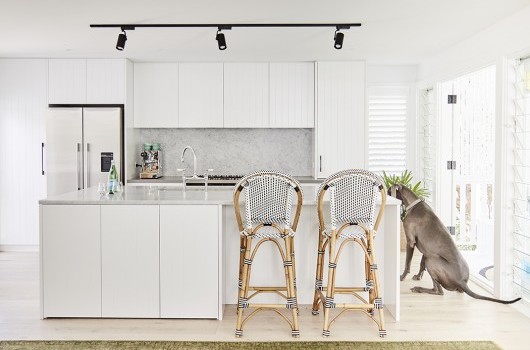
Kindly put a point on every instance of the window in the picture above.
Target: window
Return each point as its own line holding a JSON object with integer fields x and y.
{"x": 387, "y": 129}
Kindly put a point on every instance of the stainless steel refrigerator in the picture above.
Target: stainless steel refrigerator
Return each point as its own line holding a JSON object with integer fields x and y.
{"x": 80, "y": 144}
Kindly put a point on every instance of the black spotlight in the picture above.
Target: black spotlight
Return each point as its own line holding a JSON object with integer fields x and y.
{"x": 339, "y": 39}
{"x": 221, "y": 42}
{"x": 122, "y": 38}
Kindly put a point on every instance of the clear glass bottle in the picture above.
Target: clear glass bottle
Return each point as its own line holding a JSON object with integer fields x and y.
{"x": 113, "y": 178}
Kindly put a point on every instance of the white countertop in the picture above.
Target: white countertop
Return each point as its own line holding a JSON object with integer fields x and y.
{"x": 167, "y": 195}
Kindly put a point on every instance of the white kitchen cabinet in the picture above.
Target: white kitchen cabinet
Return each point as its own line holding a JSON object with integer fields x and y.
{"x": 156, "y": 95}
{"x": 246, "y": 95}
{"x": 200, "y": 95}
{"x": 70, "y": 261}
{"x": 67, "y": 81}
{"x": 130, "y": 261}
{"x": 23, "y": 106}
{"x": 292, "y": 95}
{"x": 189, "y": 261}
{"x": 106, "y": 81}
{"x": 340, "y": 132}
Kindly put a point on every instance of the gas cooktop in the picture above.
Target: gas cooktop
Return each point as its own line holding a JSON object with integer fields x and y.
{"x": 225, "y": 177}
{"x": 216, "y": 180}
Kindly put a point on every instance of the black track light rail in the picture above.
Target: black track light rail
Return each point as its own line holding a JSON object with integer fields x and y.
{"x": 227, "y": 26}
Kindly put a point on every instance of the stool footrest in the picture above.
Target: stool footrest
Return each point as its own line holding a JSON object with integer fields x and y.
{"x": 355, "y": 306}
{"x": 267, "y": 306}
{"x": 341, "y": 290}
{"x": 267, "y": 289}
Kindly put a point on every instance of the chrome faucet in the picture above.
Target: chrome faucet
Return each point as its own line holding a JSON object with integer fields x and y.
{"x": 194, "y": 160}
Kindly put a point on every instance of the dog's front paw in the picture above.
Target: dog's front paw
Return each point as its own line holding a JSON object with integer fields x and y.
{"x": 415, "y": 290}
{"x": 402, "y": 277}
{"x": 416, "y": 277}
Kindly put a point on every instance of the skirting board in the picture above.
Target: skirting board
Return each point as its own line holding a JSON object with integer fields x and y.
{"x": 19, "y": 248}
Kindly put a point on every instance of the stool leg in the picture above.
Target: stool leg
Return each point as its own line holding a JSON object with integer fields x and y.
{"x": 378, "y": 301}
{"x": 294, "y": 274}
{"x": 319, "y": 273}
{"x": 368, "y": 273}
{"x": 243, "y": 292}
{"x": 242, "y": 245}
{"x": 329, "y": 302}
{"x": 291, "y": 290}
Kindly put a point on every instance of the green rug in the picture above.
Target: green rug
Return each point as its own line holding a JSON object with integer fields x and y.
{"x": 294, "y": 345}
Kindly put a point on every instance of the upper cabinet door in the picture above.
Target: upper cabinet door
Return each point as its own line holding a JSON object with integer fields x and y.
{"x": 106, "y": 82}
{"x": 292, "y": 95}
{"x": 341, "y": 132}
{"x": 67, "y": 81}
{"x": 200, "y": 95}
{"x": 156, "y": 95}
{"x": 246, "y": 95}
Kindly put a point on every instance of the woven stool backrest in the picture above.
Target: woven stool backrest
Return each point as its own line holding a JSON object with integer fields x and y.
{"x": 268, "y": 198}
{"x": 352, "y": 196}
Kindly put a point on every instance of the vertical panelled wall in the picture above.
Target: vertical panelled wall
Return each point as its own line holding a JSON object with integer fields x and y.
{"x": 23, "y": 105}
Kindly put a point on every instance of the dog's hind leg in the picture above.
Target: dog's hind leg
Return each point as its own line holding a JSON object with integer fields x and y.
{"x": 408, "y": 259}
{"x": 436, "y": 289}
{"x": 421, "y": 270}
{"x": 433, "y": 267}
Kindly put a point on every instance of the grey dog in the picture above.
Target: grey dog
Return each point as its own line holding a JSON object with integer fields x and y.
{"x": 441, "y": 257}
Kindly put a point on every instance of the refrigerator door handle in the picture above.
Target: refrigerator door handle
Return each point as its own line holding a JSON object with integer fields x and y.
{"x": 78, "y": 159}
{"x": 87, "y": 165}
{"x": 42, "y": 158}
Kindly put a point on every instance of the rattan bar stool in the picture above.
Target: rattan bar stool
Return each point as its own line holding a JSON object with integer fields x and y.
{"x": 268, "y": 204}
{"x": 352, "y": 196}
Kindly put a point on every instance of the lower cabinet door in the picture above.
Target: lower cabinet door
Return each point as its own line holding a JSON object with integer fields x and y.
{"x": 189, "y": 261}
{"x": 71, "y": 261}
{"x": 130, "y": 261}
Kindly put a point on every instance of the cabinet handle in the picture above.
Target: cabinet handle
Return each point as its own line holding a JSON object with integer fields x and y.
{"x": 320, "y": 163}
{"x": 42, "y": 158}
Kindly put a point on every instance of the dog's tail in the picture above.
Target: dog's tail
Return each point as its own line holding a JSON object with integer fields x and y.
{"x": 472, "y": 294}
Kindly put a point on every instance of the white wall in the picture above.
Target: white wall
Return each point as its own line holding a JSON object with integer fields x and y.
{"x": 505, "y": 38}
{"x": 23, "y": 106}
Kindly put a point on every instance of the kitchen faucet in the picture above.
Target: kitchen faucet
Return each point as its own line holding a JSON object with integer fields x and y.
{"x": 194, "y": 160}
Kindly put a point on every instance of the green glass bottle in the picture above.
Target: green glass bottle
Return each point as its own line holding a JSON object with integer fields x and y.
{"x": 113, "y": 178}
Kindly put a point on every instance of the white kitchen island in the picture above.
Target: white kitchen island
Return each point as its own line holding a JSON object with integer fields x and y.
{"x": 156, "y": 252}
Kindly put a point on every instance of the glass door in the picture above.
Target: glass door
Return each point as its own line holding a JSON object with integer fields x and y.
{"x": 471, "y": 168}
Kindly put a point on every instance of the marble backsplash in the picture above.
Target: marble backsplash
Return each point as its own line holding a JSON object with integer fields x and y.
{"x": 234, "y": 151}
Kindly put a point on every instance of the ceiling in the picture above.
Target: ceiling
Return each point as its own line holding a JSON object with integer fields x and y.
{"x": 392, "y": 32}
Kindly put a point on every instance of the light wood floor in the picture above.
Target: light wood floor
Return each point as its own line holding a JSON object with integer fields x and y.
{"x": 453, "y": 316}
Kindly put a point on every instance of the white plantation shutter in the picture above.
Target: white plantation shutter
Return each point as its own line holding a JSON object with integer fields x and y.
{"x": 387, "y": 129}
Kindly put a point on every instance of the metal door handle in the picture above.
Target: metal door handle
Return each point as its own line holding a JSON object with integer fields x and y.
{"x": 320, "y": 163}
{"x": 87, "y": 165}
{"x": 42, "y": 158}
{"x": 78, "y": 173}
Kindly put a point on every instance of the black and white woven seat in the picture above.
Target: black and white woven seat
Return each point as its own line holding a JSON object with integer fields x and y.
{"x": 349, "y": 232}
{"x": 352, "y": 203}
{"x": 269, "y": 232}
{"x": 268, "y": 206}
